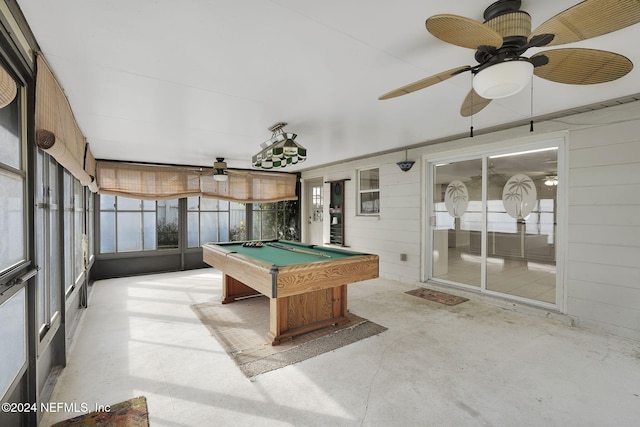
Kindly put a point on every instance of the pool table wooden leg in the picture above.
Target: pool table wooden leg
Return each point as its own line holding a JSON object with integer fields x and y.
{"x": 298, "y": 314}
{"x": 233, "y": 289}
{"x": 340, "y": 303}
{"x": 277, "y": 306}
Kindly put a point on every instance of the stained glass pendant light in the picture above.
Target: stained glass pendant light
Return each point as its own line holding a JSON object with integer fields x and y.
{"x": 279, "y": 151}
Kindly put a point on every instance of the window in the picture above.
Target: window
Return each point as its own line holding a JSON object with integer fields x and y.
{"x": 369, "y": 191}
{"x": 12, "y": 189}
{"x": 13, "y": 318}
{"x": 167, "y": 224}
{"x": 90, "y": 224}
{"x": 73, "y": 230}
{"x": 277, "y": 220}
{"x": 134, "y": 225}
{"x": 47, "y": 241}
{"x": 207, "y": 221}
{"x": 213, "y": 220}
{"x": 14, "y": 314}
{"x": 237, "y": 221}
{"x": 129, "y": 225}
{"x": 317, "y": 201}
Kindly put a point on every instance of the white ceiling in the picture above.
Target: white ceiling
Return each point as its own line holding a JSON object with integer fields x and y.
{"x": 185, "y": 82}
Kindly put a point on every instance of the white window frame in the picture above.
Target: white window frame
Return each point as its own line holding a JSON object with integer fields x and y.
{"x": 368, "y": 191}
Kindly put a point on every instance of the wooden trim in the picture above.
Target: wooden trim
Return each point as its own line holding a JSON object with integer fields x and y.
{"x": 239, "y": 267}
{"x": 233, "y": 289}
{"x": 293, "y": 280}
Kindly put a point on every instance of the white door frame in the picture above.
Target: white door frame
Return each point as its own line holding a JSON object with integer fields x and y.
{"x": 312, "y": 222}
{"x": 558, "y": 139}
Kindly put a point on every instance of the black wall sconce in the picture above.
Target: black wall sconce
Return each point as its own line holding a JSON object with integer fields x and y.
{"x": 406, "y": 164}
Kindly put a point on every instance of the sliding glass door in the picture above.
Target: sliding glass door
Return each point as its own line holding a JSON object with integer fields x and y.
{"x": 521, "y": 225}
{"x": 494, "y": 223}
{"x": 457, "y": 222}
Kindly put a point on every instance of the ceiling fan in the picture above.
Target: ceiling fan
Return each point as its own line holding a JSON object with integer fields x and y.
{"x": 219, "y": 170}
{"x": 501, "y": 41}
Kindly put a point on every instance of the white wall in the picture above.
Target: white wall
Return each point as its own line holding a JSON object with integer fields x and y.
{"x": 601, "y": 272}
{"x": 397, "y": 229}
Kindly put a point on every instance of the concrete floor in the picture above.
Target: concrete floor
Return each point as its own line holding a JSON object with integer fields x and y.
{"x": 471, "y": 364}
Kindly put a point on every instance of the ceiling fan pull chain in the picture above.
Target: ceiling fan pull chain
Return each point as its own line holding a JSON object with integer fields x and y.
{"x": 472, "y": 108}
{"x": 531, "y": 121}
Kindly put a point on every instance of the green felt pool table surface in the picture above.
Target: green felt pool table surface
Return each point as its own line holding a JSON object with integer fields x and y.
{"x": 281, "y": 253}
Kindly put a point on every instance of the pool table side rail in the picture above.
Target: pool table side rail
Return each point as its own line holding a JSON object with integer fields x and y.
{"x": 299, "y": 279}
{"x": 293, "y": 279}
{"x": 240, "y": 267}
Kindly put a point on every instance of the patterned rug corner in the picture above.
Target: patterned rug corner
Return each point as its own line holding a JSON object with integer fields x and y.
{"x": 323, "y": 344}
{"x": 241, "y": 329}
{"x": 130, "y": 413}
{"x": 437, "y": 296}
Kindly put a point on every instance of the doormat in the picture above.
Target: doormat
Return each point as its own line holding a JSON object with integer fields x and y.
{"x": 241, "y": 329}
{"x": 130, "y": 413}
{"x": 436, "y": 296}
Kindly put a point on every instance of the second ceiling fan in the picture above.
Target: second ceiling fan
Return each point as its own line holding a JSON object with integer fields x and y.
{"x": 501, "y": 41}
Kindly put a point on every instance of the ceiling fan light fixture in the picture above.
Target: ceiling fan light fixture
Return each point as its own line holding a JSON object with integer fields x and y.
{"x": 220, "y": 170}
{"x": 503, "y": 79}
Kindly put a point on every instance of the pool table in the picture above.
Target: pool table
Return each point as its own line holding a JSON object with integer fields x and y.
{"x": 306, "y": 284}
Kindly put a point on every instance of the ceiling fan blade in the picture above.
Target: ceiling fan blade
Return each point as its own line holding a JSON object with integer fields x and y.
{"x": 589, "y": 19}
{"x": 473, "y": 103}
{"x": 582, "y": 66}
{"x": 463, "y": 32}
{"x": 429, "y": 81}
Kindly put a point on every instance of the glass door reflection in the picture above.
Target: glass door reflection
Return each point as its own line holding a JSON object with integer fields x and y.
{"x": 521, "y": 225}
{"x": 493, "y": 224}
{"x": 457, "y": 222}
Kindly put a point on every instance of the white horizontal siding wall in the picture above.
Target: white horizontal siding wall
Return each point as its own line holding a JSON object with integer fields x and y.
{"x": 397, "y": 229}
{"x": 601, "y": 281}
{"x": 603, "y": 252}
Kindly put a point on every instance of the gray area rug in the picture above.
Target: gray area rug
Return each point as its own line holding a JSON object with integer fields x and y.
{"x": 242, "y": 326}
